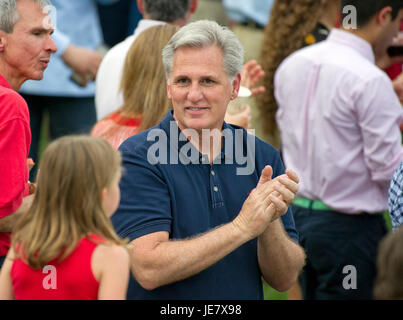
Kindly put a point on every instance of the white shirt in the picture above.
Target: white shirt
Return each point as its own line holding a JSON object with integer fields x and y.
{"x": 339, "y": 120}
{"x": 107, "y": 96}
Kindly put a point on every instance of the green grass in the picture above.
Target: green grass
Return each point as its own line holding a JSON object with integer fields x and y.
{"x": 272, "y": 294}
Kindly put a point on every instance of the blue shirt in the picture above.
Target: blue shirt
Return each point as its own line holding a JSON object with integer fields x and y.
{"x": 190, "y": 199}
{"x": 395, "y": 200}
{"x": 255, "y": 10}
{"x": 76, "y": 22}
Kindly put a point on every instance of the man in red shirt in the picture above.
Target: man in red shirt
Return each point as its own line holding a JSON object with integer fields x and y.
{"x": 25, "y": 49}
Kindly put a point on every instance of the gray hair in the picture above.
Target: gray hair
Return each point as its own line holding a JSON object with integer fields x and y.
{"x": 9, "y": 13}
{"x": 166, "y": 10}
{"x": 205, "y": 33}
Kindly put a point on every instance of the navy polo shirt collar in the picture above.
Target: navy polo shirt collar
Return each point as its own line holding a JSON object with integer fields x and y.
{"x": 169, "y": 123}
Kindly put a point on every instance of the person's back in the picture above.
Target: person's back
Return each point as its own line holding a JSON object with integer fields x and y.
{"x": 339, "y": 119}
{"x": 341, "y": 122}
{"x": 58, "y": 280}
{"x": 64, "y": 246}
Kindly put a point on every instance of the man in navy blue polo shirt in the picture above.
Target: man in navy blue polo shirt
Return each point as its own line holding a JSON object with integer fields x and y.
{"x": 198, "y": 201}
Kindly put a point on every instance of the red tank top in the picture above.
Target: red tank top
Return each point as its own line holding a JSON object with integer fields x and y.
{"x": 71, "y": 279}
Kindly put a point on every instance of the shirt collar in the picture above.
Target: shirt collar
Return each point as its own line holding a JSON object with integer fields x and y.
{"x": 4, "y": 82}
{"x": 144, "y": 24}
{"x": 352, "y": 41}
{"x": 169, "y": 123}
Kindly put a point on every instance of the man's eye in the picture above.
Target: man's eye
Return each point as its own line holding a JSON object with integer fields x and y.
{"x": 182, "y": 81}
{"x": 207, "y": 81}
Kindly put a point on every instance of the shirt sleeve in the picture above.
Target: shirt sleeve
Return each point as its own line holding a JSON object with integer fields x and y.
{"x": 62, "y": 42}
{"x": 395, "y": 200}
{"x": 13, "y": 165}
{"x": 379, "y": 114}
{"x": 145, "y": 205}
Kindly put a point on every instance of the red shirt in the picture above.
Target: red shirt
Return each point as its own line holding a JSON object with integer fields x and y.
{"x": 15, "y": 140}
{"x": 71, "y": 279}
{"x": 396, "y": 69}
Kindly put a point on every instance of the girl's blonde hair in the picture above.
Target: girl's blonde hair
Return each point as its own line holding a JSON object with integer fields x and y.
{"x": 290, "y": 22}
{"x": 143, "y": 82}
{"x": 67, "y": 205}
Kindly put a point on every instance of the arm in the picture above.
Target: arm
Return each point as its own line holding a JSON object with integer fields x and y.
{"x": 6, "y": 286}
{"x": 110, "y": 264}
{"x": 382, "y": 146}
{"x": 157, "y": 261}
{"x": 81, "y": 60}
{"x": 14, "y": 170}
{"x": 7, "y": 223}
{"x": 280, "y": 258}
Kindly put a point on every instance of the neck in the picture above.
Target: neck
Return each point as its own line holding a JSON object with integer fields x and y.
{"x": 14, "y": 82}
{"x": 179, "y": 23}
{"x": 209, "y": 142}
{"x": 328, "y": 21}
{"x": 366, "y": 34}
{"x": 329, "y": 15}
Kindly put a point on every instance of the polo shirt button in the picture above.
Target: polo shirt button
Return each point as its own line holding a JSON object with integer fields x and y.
{"x": 215, "y": 189}
{"x": 212, "y": 173}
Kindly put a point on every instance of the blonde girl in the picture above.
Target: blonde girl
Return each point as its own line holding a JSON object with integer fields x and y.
{"x": 65, "y": 246}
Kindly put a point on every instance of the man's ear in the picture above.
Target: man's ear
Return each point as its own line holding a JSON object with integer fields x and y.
{"x": 3, "y": 40}
{"x": 384, "y": 16}
{"x": 236, "y": 83}
{"x": 168, "y": 86}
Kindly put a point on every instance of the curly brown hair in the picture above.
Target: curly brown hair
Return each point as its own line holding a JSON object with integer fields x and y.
{"x": 290, "y": 22}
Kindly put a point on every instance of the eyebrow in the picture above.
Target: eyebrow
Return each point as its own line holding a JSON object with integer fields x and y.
{"x": 43, "y": 30}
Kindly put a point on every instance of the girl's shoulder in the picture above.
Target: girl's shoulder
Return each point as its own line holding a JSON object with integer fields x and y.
{"x": 108, "y": 256}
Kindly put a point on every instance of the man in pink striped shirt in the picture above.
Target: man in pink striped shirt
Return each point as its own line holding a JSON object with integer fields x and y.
{"x": 339, "y": 119}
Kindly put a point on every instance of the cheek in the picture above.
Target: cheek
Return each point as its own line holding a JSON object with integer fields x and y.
{"x": 116, "y": 197}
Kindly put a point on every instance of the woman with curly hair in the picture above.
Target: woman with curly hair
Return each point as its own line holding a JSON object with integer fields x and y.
{"x": 293, "y": 24}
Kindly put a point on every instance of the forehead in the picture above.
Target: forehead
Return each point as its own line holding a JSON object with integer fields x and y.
{"x": 30, "y": 15}
{"x": 205, "y": 58}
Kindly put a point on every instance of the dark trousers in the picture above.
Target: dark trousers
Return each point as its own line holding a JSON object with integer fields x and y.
{"x": 66, "y": 116}
{"x": 341, "y": 252}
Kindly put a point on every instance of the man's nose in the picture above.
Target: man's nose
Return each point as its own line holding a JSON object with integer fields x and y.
{"x": 195, "y": 93}
{"x": 50, "y": 45}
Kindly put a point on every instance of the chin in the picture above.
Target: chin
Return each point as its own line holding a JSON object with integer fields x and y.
{"x": 37, "y": 76}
